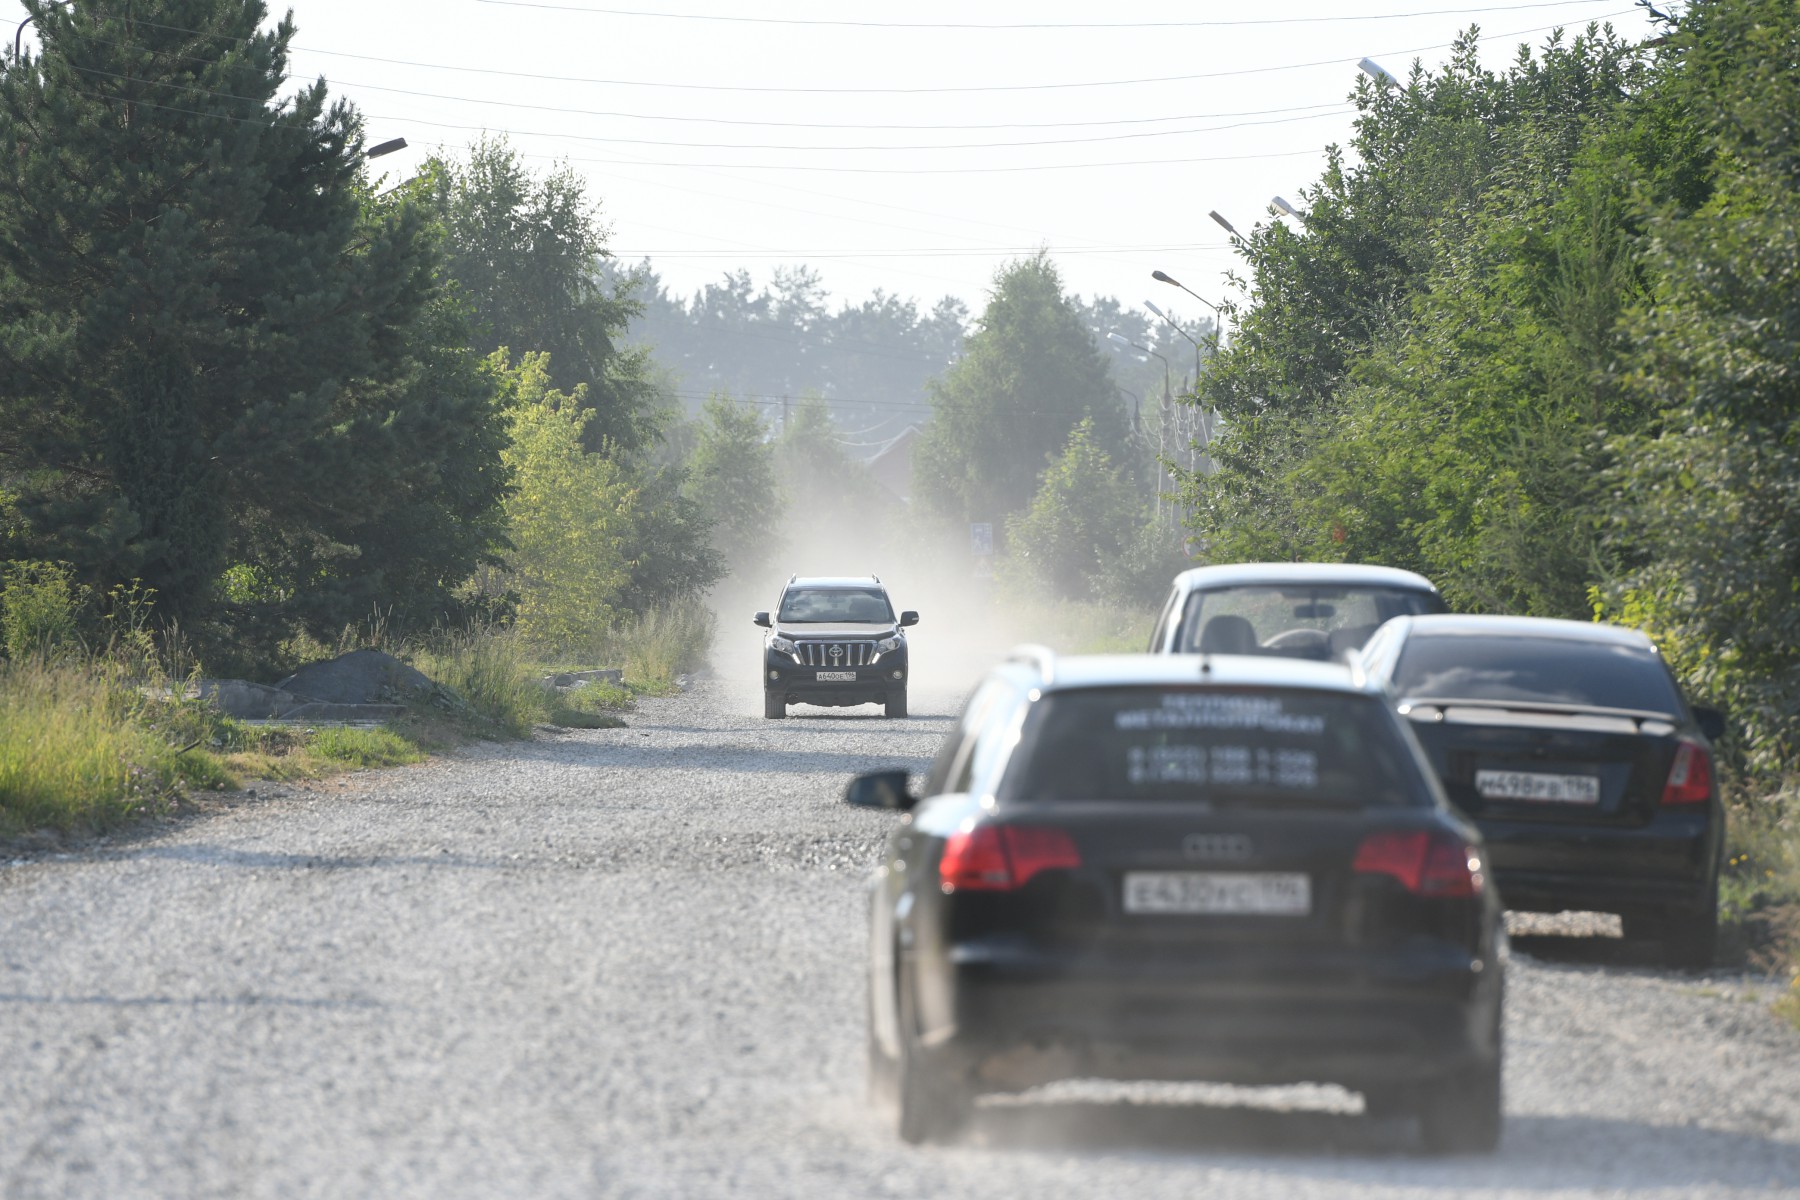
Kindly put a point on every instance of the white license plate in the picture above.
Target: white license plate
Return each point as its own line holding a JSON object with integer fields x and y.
{"x": 837, "y": 676}
{"x": 1279, "y": 894}
{"x": 1535, "y": 785}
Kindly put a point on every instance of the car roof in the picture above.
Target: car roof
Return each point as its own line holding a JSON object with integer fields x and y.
{"x": 834, "y": 581}
{"x": 1469, "y": 625}
{"x": 1049, "y": 671}
{"x": 1248, "y": 574}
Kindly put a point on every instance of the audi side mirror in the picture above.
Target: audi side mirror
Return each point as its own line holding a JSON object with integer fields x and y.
{"x": 761, "y": 618}
{"x": 880, "y": 789}
{"x": 909, "y": 617}
{"x": 1711, "y": 721}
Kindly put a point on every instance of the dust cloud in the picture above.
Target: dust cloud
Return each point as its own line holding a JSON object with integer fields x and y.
{"x": 966, "y": 622}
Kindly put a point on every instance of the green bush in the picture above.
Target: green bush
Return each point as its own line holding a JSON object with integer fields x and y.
{"x": 40, "y": 609}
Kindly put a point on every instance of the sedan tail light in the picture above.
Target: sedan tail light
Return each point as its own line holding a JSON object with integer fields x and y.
{"x": 1000, "y": 858}
{"x": 1425, "y": 863}
{"x": 1690, "y": 776}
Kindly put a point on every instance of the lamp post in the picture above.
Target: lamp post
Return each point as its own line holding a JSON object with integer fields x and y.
{"x": 19, "y": 36}
{"x": 1208, "y": 421}
{"x": 1218, "y": 317}
{"x": 1151, "y": 305}
{"x": 387, "y": 147}
{"x": 1280, "y": 202}
{"x": 1119, "y": 339}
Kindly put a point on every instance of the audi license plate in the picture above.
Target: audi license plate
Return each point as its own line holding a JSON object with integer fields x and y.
{"x": 1535, "y": 785}
{"x": 1278, "y": 894}
{"x": 837, "y": 676}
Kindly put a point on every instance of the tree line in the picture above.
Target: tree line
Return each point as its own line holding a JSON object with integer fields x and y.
{"x": 279, "y": 399}
{"x": 1534, "y": 336}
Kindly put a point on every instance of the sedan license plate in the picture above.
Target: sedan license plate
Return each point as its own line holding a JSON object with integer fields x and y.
{"x": 1279, "y": 894}
{"x": 837, "y": 676}
{"x": 1537, "y": 786}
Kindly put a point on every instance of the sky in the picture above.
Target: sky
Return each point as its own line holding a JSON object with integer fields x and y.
{"x": 910, "y": 148}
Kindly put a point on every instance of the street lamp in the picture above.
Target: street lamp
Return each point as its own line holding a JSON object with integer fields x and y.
{"x": 1224, "y": 224}
{"x": 1151, "y": 305}
{"x": 1120, "y": 339}
{"x": 1280, "y": 202}
{"x": 1218, "y": 317}
{"x": 1377, "y": 72}
{"x": 17, "y": 37}
{"x": 387, "y": 147}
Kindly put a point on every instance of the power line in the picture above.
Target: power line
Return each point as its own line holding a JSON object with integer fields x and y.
{"x": 1087, "y": 25}
{"x": 627, "y": 141}
{"x": 925, "y": 252}
{"x": 853, "y": 125}
{"x": 916, "y": 91}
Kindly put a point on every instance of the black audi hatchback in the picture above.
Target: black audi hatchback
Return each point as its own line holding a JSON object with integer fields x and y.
{"x": 1572, "y": 747}
{"x": 1183, "y": 867}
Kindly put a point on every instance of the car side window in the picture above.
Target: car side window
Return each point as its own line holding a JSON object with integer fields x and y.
{"x": 993, "y": 744}
{"x": 1160, "y": 637}
{"x": 953, "y": 756}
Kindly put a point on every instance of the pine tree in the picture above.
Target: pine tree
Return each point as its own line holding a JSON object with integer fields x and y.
{"x": 215, "y": 345}
{"x": 1028, "y": 375}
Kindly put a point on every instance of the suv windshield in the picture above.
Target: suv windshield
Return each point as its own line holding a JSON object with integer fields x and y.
{"x": 1238, "y": 745}
{"x": 1547, "y": 670}
{"x": 849, "y": 606}
{"x": 1294, "y": 622}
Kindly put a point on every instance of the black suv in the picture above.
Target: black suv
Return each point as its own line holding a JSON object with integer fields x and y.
{"x": 834, "y": 642}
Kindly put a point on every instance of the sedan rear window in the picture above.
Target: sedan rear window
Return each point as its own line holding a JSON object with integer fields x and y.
{"x": 851, "y": 606}
{"x": 1528, "y": 669}
{"x": 1220, "y": 745}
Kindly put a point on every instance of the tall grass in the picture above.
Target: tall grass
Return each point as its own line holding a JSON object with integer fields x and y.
{"x": 662, "y": 644}
{"x": 1081, "y": 626}
{"x": 491, "y": 671}
{"x": 83, "y": 747}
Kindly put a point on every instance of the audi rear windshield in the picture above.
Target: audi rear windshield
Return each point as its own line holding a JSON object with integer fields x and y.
{"x": 1528, "y": 669}
{"x": 842, "y": 606}
{"x": 1226, "y": 746}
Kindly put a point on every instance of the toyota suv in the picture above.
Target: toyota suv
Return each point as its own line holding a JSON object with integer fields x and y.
{"x": 834, "y": 642}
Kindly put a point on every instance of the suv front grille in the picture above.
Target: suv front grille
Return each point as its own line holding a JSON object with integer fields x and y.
{"x": 848, "y": 654}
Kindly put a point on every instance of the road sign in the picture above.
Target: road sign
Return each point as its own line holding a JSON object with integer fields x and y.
{"x": 981, "y": 538}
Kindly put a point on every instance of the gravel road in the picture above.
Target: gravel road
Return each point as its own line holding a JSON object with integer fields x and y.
{"x": 626, "y": 963}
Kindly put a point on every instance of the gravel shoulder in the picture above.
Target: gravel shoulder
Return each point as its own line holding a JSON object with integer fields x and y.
{"x": 628, "y": 963}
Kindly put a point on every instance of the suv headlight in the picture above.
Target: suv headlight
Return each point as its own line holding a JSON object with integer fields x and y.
{"x": 887, "y": 644}
{"x": 785, "y": 646}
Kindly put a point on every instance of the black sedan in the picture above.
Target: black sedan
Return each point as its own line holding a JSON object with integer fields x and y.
{"x": 1572, "y": 747}
{"x": 1183, "y": 867}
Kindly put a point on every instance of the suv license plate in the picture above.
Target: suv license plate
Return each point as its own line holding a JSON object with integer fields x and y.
{"x": 1534, "y": 785}
{"x": 837, "y": 676}
{"x": 1279, "y": 894}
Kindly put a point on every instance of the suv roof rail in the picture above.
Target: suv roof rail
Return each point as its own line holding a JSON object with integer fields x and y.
{"x": 1033, "y": 654}
{"x": 875, "y": 577}
{"x": 791, "y": 578}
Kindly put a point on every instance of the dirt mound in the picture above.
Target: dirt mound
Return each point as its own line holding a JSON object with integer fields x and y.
{"x": 359, "y": 677}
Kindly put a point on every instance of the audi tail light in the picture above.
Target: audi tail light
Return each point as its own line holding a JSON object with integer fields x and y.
{"x": 1002, "y": 858}
{"x": 1427, "y": 863}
